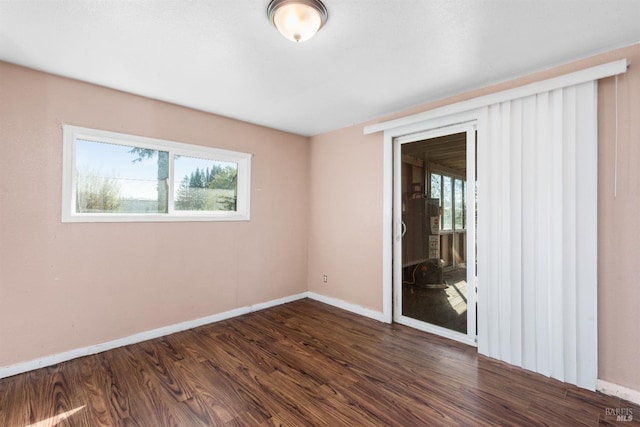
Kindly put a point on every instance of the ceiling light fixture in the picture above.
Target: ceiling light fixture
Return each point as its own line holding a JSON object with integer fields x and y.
{"x": 297, "y": 20}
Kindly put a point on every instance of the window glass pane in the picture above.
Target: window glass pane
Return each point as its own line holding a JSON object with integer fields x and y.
{"x": 204, "y": 184}
{"x": 447, "y": 203}
{"x": 464, "y": 204}
{"x": 459, "y": 206}
{"x": 115, "y": 178}
{"x": 435, "y": 186}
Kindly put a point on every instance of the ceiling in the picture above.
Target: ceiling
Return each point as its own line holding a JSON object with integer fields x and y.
{"x": 448, "y": 152}
{"x": 372, "y": 58}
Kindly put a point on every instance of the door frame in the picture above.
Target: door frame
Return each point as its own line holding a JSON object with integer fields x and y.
{"x": 392, "y": 224}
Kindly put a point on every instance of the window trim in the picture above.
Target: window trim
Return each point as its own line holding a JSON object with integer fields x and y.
{"x": 69, "y": 177}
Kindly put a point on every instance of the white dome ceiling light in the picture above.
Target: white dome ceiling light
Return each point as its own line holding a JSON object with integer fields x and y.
{"x": 297, "y": 20}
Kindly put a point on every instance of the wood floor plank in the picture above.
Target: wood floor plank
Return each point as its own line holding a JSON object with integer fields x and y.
{"x": 54, "y": 386}
{"x": 300, "y": 364}
{"x": 15, "y": 409}
{"x": 86, "y": 385}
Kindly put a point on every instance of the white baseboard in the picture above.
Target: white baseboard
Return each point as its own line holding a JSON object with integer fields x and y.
{"x": 18, "y": 368}
{"x": 616, "y": 390}
{"x": 357, "y": 309}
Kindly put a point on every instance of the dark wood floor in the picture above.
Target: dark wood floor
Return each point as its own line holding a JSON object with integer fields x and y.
{"x": 303, "y": 363}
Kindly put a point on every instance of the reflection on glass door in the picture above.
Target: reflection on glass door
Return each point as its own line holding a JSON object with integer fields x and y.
{"x": 432, "y": 281}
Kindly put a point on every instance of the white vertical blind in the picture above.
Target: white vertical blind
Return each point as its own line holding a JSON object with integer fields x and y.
{"x": 537, "y": 229}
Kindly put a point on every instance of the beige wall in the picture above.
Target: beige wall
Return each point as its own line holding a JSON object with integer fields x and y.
{"x": 346, "y": 214}
{"x": 345, "y": 217}
{"x": 67, "y": 286}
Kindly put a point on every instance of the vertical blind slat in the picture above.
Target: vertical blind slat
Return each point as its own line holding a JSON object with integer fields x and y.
{"x": 542, "y": 239}
{"x": 556, "y": 295}
{"x": 484, "y": 206}
{"x": 529, "y": 275}
{"x": 515, "y": 180}
{"x": 504, "y": 228}
{"x": 587, "y": 167}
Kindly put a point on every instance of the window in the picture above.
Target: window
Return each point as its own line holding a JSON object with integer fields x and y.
{"x": 111, "y": 177}
{"x": 451, "y": 192}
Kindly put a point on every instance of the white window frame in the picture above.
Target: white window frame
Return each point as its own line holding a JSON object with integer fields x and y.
{"x": 69, "y": 177}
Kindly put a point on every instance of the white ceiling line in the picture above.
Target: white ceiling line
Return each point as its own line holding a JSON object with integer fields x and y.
{"x": 594, "y": 73}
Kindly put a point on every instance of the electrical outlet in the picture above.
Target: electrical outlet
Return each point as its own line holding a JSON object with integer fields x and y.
{"x": 325, "y": 279}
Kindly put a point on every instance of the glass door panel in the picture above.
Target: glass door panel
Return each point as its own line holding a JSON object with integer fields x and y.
{"x": 431, "y": 281}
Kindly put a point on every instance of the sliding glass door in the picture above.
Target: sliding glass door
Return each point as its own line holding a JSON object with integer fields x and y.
{"x": 434, "y": 245}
